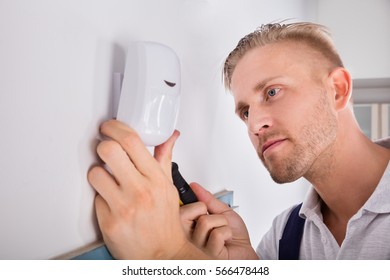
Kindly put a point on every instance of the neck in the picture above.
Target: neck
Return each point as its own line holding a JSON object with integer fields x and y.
{"x": 347, "y": 173}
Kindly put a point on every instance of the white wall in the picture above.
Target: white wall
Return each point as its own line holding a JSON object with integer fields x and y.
{"x": 56, "y": 64}
{"x": 361, "y": 33}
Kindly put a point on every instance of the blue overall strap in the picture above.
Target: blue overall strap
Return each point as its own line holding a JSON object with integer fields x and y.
{"x": 292, "y": 235}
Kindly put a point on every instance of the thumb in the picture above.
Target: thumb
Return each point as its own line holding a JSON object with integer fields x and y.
{"x": 214, "y": 206}
{"x": 163, "y": 153}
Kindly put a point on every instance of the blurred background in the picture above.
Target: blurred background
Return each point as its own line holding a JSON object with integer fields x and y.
{"x": 57, "y": 60}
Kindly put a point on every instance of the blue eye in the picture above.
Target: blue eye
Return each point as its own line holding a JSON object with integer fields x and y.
{"x": 245, "y": 114}
{"x": 273, "y": 91}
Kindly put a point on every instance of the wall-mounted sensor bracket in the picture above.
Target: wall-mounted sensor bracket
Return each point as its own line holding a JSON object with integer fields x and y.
{"x": 116, "y": 93}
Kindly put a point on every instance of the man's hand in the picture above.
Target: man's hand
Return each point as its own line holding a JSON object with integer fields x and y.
{"x": 137, "y": 206}
{"x": 220, "y": 233}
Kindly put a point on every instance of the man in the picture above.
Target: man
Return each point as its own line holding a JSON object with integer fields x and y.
{"x": 293, "y": 93}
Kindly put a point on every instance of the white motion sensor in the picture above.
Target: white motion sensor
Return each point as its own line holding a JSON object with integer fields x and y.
{"x": 150, "y": 94}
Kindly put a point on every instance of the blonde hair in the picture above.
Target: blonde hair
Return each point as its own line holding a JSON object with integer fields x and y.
{"x": 315, "y": 36}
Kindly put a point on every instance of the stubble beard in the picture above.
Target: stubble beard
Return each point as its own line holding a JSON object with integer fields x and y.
{"x": 314, "y": 139}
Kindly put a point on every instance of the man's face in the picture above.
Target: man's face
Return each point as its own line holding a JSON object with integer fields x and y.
{"x": 281, "y": 93}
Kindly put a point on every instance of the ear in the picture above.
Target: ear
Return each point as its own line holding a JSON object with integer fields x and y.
{"x": 342, "y": 86}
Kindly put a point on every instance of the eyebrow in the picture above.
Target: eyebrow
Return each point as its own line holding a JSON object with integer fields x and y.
{"x": 260, "y": 85}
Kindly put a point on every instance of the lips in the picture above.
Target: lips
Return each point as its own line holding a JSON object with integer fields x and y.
{"x": 270, "y": 143}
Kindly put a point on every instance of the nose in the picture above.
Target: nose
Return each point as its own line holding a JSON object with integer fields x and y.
{"x": 259, "y": 121}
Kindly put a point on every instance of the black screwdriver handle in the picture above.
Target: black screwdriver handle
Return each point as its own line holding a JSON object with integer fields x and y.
{"x": 185, "y": 192}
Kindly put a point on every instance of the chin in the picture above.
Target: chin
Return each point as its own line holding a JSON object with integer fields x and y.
{"x": 285, "y": 174}
{"x": 283, "y": 179}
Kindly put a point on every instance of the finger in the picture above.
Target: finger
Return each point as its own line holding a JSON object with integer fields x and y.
{"x": 116, "y": 159}
{"x": 103, "y": 183}
{"x": 214, "y": 206}
{"x": 189, "y": 213}
{"x": 204, "y": 226}
{"x": 132, "y": 145}
{"x": 163, "y": 153}
{"x": 102, "y": 209}
{"x": 192, "y": 211}
{"x": 217, "y": 240}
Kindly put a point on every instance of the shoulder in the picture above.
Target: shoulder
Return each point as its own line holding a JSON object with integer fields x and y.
{"x": 268, "y": 247}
